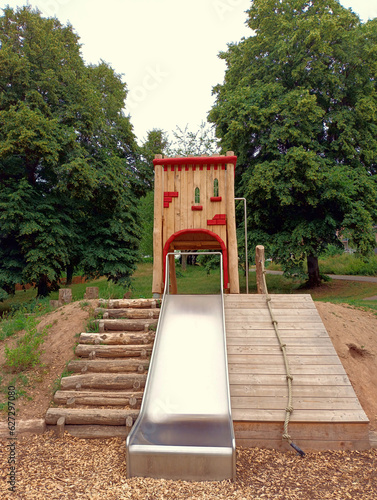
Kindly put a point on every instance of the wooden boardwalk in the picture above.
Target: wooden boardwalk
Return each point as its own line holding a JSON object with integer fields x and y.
{"x": 327, "y": 414}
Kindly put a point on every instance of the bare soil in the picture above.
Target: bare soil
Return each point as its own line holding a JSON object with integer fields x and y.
{"x": 354, "y": 335}
{"x": 71, "y": 468}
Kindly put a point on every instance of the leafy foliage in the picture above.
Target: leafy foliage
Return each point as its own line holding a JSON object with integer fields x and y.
{"x": 68, "y": 159}
{"x": 298, "y": 106}
{"x": 193, "y": 142}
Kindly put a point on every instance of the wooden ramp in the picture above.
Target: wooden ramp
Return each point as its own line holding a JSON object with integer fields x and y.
{"x": 327, "y": 414}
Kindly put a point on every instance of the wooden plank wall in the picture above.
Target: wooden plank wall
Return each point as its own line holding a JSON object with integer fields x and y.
{"x": 178, "y": 215}
{"x": 327, "y": 413}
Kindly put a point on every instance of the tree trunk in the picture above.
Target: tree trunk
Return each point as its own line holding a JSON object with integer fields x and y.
{"x": 70, "y": 269}
{"x": 43, "y": 288}
{"x": 184, "y": 263}
{"x": 313, "y": 271}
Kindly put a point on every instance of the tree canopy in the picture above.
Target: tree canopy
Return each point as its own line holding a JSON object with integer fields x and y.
{"x": 299, "y": 107}
{"x": 69, "y": 164}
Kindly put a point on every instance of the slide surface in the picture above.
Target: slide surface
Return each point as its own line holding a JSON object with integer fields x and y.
{"x": 184, "y": 429}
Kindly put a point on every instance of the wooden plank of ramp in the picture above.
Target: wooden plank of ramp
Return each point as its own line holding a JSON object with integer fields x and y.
{"x": 327, "y": 413}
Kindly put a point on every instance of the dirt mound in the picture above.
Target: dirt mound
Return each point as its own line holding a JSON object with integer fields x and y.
{"x": 66, "y": 323}
{"x": 354, "y": 335}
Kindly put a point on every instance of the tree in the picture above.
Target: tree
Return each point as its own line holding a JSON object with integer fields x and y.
{"x": 68, "y": 159}
{"x": 298, "y": 106}
{"x": 193, "y": 143}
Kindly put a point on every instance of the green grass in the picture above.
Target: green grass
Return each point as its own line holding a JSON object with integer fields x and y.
{"x": 28, "y": 351}
{"x": 349, "y": 264}
{"x": 343, "y": 264}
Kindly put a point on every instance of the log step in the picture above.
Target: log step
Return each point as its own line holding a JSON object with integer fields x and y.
{"x": 122, "y": 325}
{"x": 129, "y": 303}
{"x": 78, "y": 416}
{"x": 110, "y": 381}
{"x": 130, "y": 365}
{"x": 99, "y": 398}
{"x": 113, "y": 351}
{"x": 117, "y": 338}
{"x": 97, "y": 431}
{"x": 127, "y": 313}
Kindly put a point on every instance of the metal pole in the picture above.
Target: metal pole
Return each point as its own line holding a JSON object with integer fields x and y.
{"x": 246, "y": 255}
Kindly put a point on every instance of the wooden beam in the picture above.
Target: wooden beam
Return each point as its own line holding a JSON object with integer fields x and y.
{"x": 231, "y": 229}
{"x": 127, "y": 313}
{"x": 172, "y": 275}
{"x": 157, "y": 286}
{"x": 130, "y": 365}
{"x": 116, "y": 338}
{"x": 114, "y": 351}
{"x": 103, "y": 381}
{"x": 259, "y": 262}
{"x": 75, "y": 416}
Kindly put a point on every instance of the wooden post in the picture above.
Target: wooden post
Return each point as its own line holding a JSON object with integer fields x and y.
{"x": 92, "y": 292}
{"x": 65, "y": 296}
{"x": 157, "y": 287}
{"x": 172, "y": 275}
{"x": 231, "y": 229}
{"x": 60, "y": 427}
{"x": 259, "y": 260}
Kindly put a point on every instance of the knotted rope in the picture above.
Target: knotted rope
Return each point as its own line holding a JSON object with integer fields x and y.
{"x": 289, "y": 409}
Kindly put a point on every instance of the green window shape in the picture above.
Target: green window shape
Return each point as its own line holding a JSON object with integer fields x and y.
{"x": 216, "y": 187}
{"x": 197, "y": 195}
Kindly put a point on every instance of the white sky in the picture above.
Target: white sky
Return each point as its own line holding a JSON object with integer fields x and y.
{"x": 166, "y": 50}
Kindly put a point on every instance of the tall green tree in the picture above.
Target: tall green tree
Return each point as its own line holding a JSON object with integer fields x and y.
{"x": 68, "y": 159}
{"x": 299, "y": 108}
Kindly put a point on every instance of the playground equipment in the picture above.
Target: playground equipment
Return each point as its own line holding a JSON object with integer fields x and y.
{"x": 194, "y": 210}
{"x": 184, "y": 429}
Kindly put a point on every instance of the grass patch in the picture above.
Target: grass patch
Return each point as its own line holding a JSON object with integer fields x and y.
{"x": 20, "y": 382}
{"x": 341, "y": 264}
{"x": 27, "y": 353}
{"x": 18, "y": 312}
{"x": 349, "y": 264}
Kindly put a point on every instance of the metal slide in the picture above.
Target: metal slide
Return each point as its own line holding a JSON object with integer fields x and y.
{"x": 184, "y": 429}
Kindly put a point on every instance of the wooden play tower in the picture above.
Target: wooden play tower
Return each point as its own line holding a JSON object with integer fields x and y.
{"x": 194, "y": 209}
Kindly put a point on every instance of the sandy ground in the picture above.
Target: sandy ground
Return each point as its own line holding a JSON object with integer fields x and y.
{"x": 69, "y": 468}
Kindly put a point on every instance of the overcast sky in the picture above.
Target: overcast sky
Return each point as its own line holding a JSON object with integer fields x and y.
{"x": 166, "y": 50}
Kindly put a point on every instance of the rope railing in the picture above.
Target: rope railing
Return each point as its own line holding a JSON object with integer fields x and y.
{"x": 289, "y": 409}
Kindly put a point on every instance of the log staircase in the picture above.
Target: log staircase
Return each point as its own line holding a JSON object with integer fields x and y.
{"x": 102, "y": 397}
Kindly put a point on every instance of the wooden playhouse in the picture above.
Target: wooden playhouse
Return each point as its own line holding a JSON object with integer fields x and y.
{"x": 194, "y": 210}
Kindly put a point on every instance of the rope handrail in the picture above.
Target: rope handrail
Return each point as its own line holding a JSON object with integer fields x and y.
{"x": 289, "y": 409}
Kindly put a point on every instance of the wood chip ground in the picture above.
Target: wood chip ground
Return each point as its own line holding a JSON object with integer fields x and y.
{"x": 70, "y": 468}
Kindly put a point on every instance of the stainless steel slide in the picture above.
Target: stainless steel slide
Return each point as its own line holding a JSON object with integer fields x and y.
{"x": 184, "y": 430}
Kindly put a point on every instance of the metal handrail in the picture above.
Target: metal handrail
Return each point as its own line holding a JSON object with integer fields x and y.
{"x": 167, "y": 268}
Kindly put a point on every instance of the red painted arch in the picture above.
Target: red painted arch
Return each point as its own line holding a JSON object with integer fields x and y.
{"x": 205, "y": 231}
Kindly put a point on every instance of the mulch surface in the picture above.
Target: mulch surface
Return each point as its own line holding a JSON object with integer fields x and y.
{"x": 71, "y": 468}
